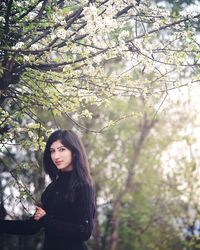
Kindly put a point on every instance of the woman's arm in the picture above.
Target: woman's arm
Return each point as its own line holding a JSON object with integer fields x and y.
{"x": 29, "y": 226}
{"x": 82, "y": 227}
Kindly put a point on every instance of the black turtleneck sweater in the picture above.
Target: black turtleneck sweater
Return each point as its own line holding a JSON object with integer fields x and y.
{"x": 67, "y": 224}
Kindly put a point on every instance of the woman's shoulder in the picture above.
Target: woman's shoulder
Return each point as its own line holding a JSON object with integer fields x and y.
{"x": 84, "y": 188}
{"x": 83, "y": 185}
{"x": 49, "y": 187}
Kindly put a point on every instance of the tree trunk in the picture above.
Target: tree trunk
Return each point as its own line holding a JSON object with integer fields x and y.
{"x": 2, "y": 215}
{"x": 5, "y": 80}
{"x": 145, "y": 127}
{"x": 96, "y": 231}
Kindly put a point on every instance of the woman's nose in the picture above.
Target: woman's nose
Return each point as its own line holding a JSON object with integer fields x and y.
{"x": 56, "y": 155}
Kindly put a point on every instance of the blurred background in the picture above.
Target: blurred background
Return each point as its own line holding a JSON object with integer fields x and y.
{"x": 125, "y": 76}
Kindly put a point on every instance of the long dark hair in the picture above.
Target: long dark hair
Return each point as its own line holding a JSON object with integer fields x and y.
{"x": 80, "y": 171}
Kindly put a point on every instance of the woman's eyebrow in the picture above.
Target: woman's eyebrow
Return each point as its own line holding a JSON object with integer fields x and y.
{"x": 58, "y": 147}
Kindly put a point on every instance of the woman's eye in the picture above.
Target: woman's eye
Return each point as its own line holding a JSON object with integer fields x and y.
{"x": 62, "y": 149}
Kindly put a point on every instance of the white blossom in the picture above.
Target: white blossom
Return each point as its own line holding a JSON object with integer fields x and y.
{"x": 35, "y": 46}
{"x": 26, "y": 58}
{"x": 2, "y": 19}
{"x": 61, "y": 33}
{"x": 97, "y": 59}
{"x": 30, "y": 134}
{"x": 156, "y": 25}
{"x": 18, "y": 45}
{"x": 124, "y": 34}
{"x": 63, "y": 22}
{"x": 58, "y": 19}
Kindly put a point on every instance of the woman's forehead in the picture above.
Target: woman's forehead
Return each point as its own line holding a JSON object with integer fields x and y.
{"x": 56, "y": 144}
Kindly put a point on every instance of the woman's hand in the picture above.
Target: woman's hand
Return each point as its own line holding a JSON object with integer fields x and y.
{"x": 39, "y": 213}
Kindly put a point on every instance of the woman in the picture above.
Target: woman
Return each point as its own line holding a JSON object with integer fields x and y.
{"x": 67, "y": 205}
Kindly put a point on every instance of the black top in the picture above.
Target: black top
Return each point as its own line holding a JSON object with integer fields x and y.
{"x": 67, "y": 223}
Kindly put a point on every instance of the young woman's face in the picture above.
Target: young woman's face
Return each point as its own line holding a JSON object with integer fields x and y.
{"x": 61, "y": 156}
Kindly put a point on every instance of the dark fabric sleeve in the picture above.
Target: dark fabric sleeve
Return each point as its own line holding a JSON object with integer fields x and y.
{"x": 84, "y": 209}
{"x": 26, "y": 227}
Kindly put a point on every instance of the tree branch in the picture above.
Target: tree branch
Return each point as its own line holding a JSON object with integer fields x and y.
{"x": 165, "y": 27}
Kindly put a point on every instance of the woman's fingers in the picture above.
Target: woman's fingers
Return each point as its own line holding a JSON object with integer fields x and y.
{"x": 39, "y": 213}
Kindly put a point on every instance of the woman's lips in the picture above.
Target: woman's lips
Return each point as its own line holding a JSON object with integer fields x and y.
{"x": 58, "y": 162}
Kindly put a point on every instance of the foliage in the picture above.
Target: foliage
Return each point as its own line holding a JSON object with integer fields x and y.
{"x": 162, "y": 203}
{"x": 63, "y": 62}
{"x": 61, "y": 55}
